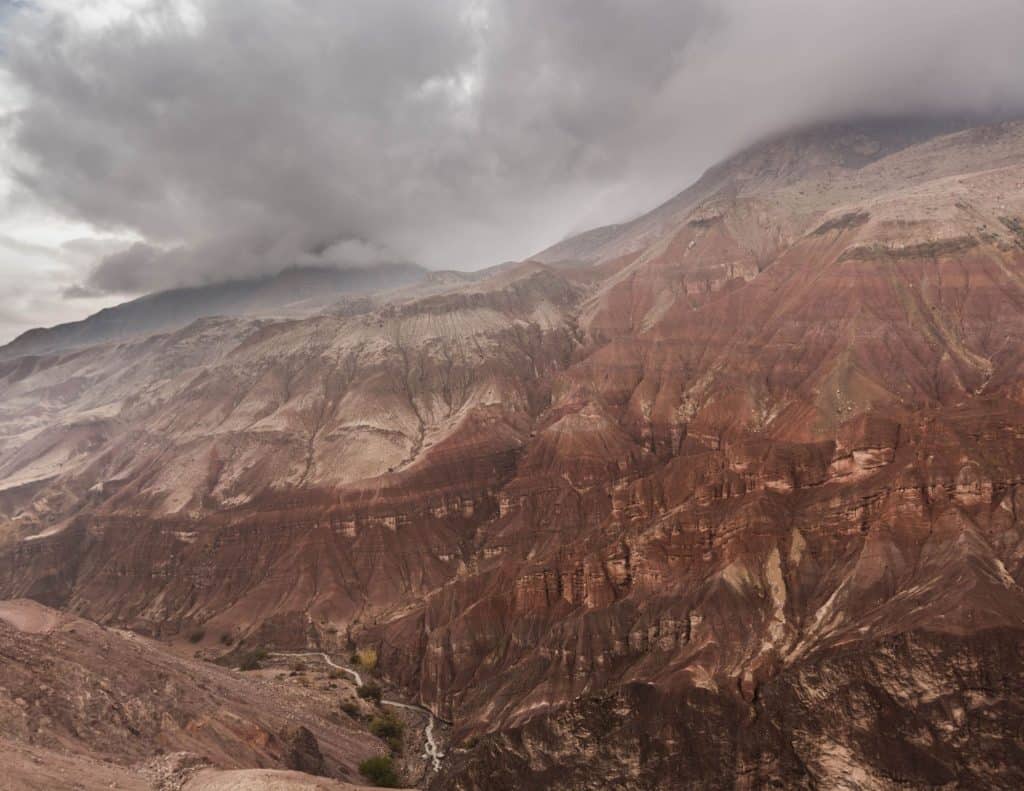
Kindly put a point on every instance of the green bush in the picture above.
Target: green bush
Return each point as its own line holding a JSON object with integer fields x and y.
{"x": 252, "y": 659}
{"x": 380, "y": 770}
{"x": 384, "y": 726}
{"x": 389, "y": 728}
{"x": 370, "y": 691}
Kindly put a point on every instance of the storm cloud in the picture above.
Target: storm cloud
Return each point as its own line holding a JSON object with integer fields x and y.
{"x": 228, "y": 138}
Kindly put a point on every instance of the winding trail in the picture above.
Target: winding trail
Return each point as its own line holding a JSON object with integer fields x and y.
{"x": 430, "y": 746}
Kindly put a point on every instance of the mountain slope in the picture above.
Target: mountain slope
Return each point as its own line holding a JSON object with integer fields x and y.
{"x": 93, "y": 705}
{"x": 830, "y": 153}
{"x": 721, "y": 494}
{"x": 293, "y": 292}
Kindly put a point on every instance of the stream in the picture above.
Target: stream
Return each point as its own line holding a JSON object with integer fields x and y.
{"x": 430, "y": 746}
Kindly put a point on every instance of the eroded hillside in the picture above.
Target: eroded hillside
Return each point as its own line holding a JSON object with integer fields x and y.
{"x": 661, "y": 504}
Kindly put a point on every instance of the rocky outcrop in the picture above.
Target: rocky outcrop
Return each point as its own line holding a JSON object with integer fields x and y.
{"x": 915, "y": 711}
{"x": 301, "y": 751}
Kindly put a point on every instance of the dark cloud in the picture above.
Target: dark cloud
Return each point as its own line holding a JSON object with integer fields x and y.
{"x": 79, "y": 291}
{"x": 241, "y": 137}
{"x": 134, "y": 269}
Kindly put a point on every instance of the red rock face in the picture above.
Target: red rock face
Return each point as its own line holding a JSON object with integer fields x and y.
{"x": 727, "y": 496}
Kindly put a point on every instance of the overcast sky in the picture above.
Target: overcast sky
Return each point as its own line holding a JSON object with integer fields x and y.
{"x": 154, "y": 143}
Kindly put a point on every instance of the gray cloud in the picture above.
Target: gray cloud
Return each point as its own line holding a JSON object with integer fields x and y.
{"x": 37, "y": 280}
{"x": 238, "y": 138}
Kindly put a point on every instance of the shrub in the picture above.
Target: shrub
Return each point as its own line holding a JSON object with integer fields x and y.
{"x": 197, "y": 636}
{"x": 389, "y": 728}
{"x": 252, "y": 659}
{"x": 225, "y": 638}
{"x": 384, "y": 726}
{"x": 298, "y": 667}
{"x": 380, "y": 770}
{"x": 351, "y": 708}
{"x": 370, "y": 691}
{"x": 367, "y": 658}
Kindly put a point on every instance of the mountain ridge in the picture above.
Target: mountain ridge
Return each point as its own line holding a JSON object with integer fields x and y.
{"x": 737, "y": 499}
{"x": 861, "y": 143}
{"x": 296, "y": 291}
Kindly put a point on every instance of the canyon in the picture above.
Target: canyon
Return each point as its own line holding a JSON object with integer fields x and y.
{"x": 727, "y": 496}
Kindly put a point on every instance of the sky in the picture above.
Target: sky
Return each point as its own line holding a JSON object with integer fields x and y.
{"x": 149, "y": 144}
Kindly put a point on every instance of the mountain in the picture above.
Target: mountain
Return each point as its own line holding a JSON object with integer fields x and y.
{"x": 817, "y": 153}
{"x": 88, "y": 707}
{"x": 298, "y": 291}
{"x": 728, "y": 496}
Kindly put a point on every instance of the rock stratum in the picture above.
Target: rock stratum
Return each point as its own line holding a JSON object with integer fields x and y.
{"x": 729, "y": 496}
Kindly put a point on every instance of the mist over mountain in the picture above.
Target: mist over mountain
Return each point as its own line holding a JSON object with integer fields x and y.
{"x": 295, "y": 292}
{"x": 220, "y": 141}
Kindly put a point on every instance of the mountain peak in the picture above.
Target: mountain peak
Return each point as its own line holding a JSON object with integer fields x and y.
{"x": 811, "y": 152}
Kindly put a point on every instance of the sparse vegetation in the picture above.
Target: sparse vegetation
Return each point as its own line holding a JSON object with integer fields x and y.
{"x": 384, "y": 726}
{"x": 298, "y": 667}
{"x": 252, "y": 660}
{"x": 226, "y": 638}
{"x": 380, "y": 770}
{"x": 389, "y": 728}
{"x": 365, "y": 657}
{"x": 370, "y": 691}
{"x": 197, "y": 636}
{"x": 351, "y": 708}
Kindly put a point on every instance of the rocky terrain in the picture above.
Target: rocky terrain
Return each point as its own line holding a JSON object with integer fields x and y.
{"x": 727, "y": 496}
{"x": 86, "y": 705}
